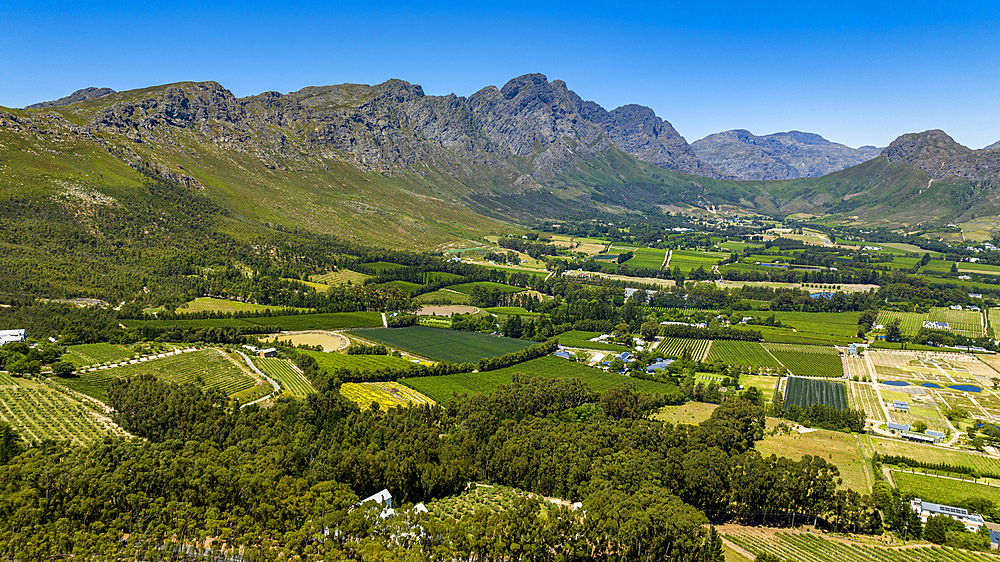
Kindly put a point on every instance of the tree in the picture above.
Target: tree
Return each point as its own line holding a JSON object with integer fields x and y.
{"x": 954, "y": 267}
{"x": 63, "y": 368}
{"x": 919, "y": 426}
{"x": 649, "y": 330}
{"x": 892, "y": 332}
{"x": 10, "y": 443}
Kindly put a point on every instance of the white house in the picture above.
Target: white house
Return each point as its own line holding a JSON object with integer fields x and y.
{"x": 11, "y": 336}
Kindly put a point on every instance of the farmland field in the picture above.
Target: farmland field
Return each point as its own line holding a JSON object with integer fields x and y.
{"x": 675, "y": 347}
{"x": 806, "y": 392}
{"x": 842, "y": 449}
{"x": 687, "y": 260}
{"x": 207, "y": 368}
{"x": 444, "y": 295}
{"x": 576, "y": 338}
{"x": 467, "y": 287}
{"x": 764, "y": 383}
{"x": 378, "y": 267}
{"x": 751, "y": 354}
{"x": 95, "y": 354}
{"x": 863, "y": 397}
{"x": 968, "y": 323}
{"x": 441, "y": 388}
{"x": 801, "y": 546}
{"x": 808, "y": 360}
{"x": 909, "y": 322}
{"x": 931, "y": 454}
{"x": 842, "y": 324}
{"x": 857, "y": 367}
{"x": 341, "y": 277}
{"x": 208, "y": 304}
{"x": 386, "y": 394}
{"x": 38, "y": 413}
{"x": 284, "y": 372}
{"x": 943, "y": 490}
{"x": 647, "y": 258}
{"x": 445, "y": 345}
{"x": 404, "y": 286}
{"x": 333, "y": 361}
{"x": 691, "y": 413}
{"x": 291, "y": 322}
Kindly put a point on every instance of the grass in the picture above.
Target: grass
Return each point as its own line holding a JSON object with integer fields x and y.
{"x": 95, "y": 354}
{"x": 341, "y": 277}
{"x": 511, "y": 311}
{"x": 467, "y": 287}
{"x": 806, "y": 392}
{"x": 207, "y": 368}
{"x": 285, "y": 373}
{"x": 442, "y": 388}
{"x": 687, "y": 260}
{"x": 385, "y": 394}
{"x": 334, "y": 361}
{"x": 209, "y": 304}
{"x": 577, "y": 338}
{"x": 842, "y": 449}
{"x": 443, "y": 295}
{"x": 943, "y": 490}
{"x": 764, "y": 383}
{"x": 647, "y": 258}
{"x": 841, "y": 324}
{"x": 691, "y": 413}
{"x": 444, "y": 345}
{"x": 39, "y": 413}
{"x": 932, "y": 454}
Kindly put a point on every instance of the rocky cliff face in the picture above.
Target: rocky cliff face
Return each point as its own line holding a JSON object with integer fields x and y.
{"x": 940, "y": 156}
{"x": 77, "y": 96}
{"x": 739, "y": 154}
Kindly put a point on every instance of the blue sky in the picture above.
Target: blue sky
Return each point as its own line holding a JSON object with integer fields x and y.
{"x": 855, "y": 72}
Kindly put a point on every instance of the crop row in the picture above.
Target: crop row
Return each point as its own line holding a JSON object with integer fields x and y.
{"x": 909, "y": 322}
{"x": 966, "y": 322}
{"x": 445, "y": 345}
{"x": 386, "y": 394}
{"x": 40, "y": 413}
{"x": 806, "y": 392}
{"x": 675, "y": 347}
{"x": 209, "y": 368}
{"x": 795, "y": 546}
{"x": 751, "y": 354}
{"x": 808, "y": 360}
{"x": 283, "y": 371}
{"x": 864, "y": 398}
{"x": 95, "y": 354}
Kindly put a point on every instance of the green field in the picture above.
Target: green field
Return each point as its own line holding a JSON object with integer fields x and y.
{"x": 764, "y": 383}
{"x": 444, "y": 345}
{"x": 909, "y": 322}
{"x": 7, "y": 380}
{"x": 511, "y": 311}
{"x": 675, "y": 347}
{"x": 842, "y": 324}
{"x": 333, "y": 361}
{"x": 467, "y": 287}
{"x": 342, "y": 277}
{"x": 404, "y": 286}
{"x": 925, "y": 453}
{"x": 687, "y": 260}
{"x": 207, "y": 368}
{"x": 808, "y": 360}
{"x": 95, "y": 354}
{"x": 812, "y": 547}
{"x": 966, "y": 322}
{"x": 39, "y": 413}
{"x": 576, "y": 338}
{"x": 285, "y": 373}
{"x": 291, "y": 322}
{"x": 806, "y": 392}
{"x": 209, "y": 304}
{"x": 647, "y": 258}
{"x": 691, "y": 413}
{"x": 443, "y": 295}
{"x": 842, "y": 449}
{"x": 943, "y": 490}
{"x": 442, "y": 388}
{"x": 386, "y": 394}
{"x": 746, "y": 353}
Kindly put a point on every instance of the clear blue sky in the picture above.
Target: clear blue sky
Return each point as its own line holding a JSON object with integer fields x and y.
{"x": 855, "y": 72}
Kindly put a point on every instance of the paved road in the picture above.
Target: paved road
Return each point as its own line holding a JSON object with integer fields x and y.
{"x": 274, "y": 384}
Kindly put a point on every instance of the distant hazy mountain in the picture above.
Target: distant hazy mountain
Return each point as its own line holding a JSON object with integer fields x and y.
{"x": 739, "y": 154}
{"x": 77, "y": 96}
{"x": 993, "y": 146}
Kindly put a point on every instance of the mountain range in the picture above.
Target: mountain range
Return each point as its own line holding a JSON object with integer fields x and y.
{"x": 390, "y": 165}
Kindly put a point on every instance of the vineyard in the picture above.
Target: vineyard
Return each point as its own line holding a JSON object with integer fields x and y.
{"x": 467, "y": 287}
{"x": 493, "y": 498}
{"x": 968, "y": 323}
{"x": 95, "y": 354}
{"x": 750, "y": 354}
{"x": 909, "y": 322}
{"x": 687, "y": 260}
{"x": 808, "y": 360}
{"x": 208, "y": 368}
{"x": 445, "y": 345}
{"x": 863, "y": 397}
{"x": 675, "y": 347}
{"x": 789, "y": 545}
{"x": 576, "y": 338}
{"x": 386, "y": 394}
{"x": 342, "y": 277}
{"x": 285, "y": 373}
{"x": 806, "y": 392}
{"x": 42, "y": 413}
{"x": 647, "y": 258}
{"x": 857, "y": 367}
{"x": 443, "y": 387}
{"x": 333, "y": 361}
{"x": 841, "y": 324}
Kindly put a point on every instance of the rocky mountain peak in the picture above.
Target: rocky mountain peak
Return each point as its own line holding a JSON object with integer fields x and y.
{"x": 940, "y": 156}
{"x": 77, "y": 96}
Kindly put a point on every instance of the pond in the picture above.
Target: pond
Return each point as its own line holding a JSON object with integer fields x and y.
{"x": 930, "y": 385}
{"x": 965, "y": 387}
{"x": 895, "y": 383}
